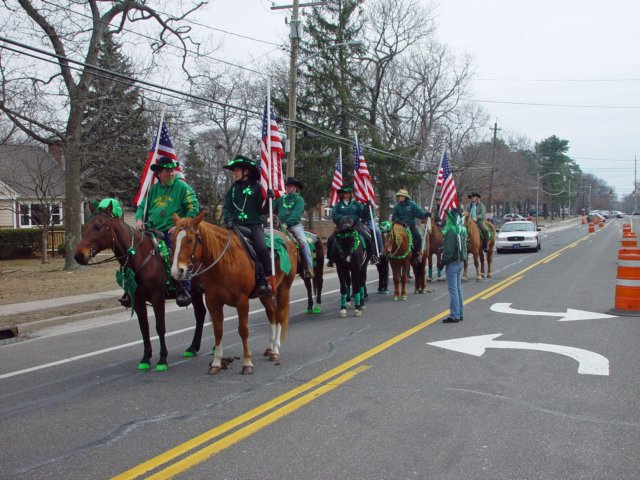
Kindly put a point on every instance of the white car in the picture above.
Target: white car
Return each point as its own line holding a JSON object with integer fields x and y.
{"x": 518, "y": 235}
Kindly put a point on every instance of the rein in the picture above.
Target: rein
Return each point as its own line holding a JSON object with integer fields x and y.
{"x": 200, "y": 271}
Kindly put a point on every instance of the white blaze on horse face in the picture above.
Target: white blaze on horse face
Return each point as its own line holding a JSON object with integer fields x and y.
{"x": 178, "y": 271}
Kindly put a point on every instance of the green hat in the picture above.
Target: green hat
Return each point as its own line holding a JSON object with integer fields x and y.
{"x": 164, "y": 162}
{"x": 403, "y": 193}
{"x": 116, "y": 211}
{"x": 385, "y": 226}
{"x": 243, "y": 162}
{"x": 345, "y": 190}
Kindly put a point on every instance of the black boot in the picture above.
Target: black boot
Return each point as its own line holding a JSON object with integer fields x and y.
{"x": 262, "y": 288}
{"x": 183, "y": 297}
{"x": 125, "y": 301}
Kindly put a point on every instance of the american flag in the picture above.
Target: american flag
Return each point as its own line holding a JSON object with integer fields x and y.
{"x": 363, "y": 187}
{"x": 336, "y": 183}
{"x": 440, "y": 175}
{"x": 271, "y": 166}
{"x": 449, "y": 196}
{"x": 165, "y": 149}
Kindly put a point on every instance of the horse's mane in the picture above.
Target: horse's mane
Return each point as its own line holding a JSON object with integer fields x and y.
{"x": 214, "y": 238}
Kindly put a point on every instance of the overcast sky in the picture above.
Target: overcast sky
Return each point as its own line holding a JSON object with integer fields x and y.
{"x": 577, "y": 57}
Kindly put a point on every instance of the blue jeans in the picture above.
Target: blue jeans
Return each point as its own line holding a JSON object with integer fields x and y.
{"x": 298, "y": 232}
{"x": 453, "y": 271}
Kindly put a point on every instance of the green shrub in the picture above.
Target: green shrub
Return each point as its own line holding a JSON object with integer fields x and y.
{"x": 19, "y": 242}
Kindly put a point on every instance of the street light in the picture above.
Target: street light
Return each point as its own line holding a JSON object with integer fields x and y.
{"x": 538, "y": 177}
{"x": 357, "y": 44}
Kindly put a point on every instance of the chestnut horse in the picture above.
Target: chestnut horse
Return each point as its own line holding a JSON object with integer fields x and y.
{"x": 228, "y": 277}
{"x": 474, "y": 247}
{"x": 435, "y": 245}
{"x": 397, "y": 249}
{"x": 136, "y": 251}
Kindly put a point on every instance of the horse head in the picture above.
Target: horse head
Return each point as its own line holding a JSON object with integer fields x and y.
{"x": 97, "y": 235}
{"x": 187, "y": 244}
{"x": 346, "y": 224}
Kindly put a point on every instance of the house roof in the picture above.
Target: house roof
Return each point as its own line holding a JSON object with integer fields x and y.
{"x": 30, "y": 170}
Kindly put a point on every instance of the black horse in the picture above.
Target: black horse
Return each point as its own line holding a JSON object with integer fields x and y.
{"x": 351, "y": 259}
{"x": 314, "y": 285}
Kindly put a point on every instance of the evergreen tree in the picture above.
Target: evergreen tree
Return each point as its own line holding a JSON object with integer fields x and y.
{"x": 116, "y": 131}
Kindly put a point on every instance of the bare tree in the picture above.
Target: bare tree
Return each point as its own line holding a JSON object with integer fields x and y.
{"x": 47, "y": 101}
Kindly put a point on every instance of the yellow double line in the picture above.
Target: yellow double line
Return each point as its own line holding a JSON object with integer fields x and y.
{"x": 179, "y": 459}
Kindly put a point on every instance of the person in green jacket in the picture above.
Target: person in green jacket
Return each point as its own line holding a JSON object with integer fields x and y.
{"x": 406, "y": 211}
{"x": 356, "y": 211}
{"x": 478, "y": 214}
{"x": 167, "y": 196}
{"x": 454, "y": 253}
{"x": 289, "y": 209}
{"x": 244, "y": 205}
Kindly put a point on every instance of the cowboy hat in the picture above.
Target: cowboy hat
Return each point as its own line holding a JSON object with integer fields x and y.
{"x": 164, "y": 162}
{"x": 294, "y": 181}
{"x": 241, "y": 161}
{"x": 345, "y": 190}
{"x": 474, "y": 194}
{"x": 403, "y": 193}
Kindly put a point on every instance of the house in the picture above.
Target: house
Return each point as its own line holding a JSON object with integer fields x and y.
{"x": 31, "y": 182}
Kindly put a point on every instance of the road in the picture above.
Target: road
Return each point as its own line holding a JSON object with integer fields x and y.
{"x": 516, "y": 391}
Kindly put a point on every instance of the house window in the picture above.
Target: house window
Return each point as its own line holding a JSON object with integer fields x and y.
{"x": 33, "y": 214}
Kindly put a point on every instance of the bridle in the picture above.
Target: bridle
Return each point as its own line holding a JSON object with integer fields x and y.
{"x": 192, "y": 257}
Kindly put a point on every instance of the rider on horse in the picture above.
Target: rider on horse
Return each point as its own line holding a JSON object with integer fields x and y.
{"x": 478, "y": 214}
{"x": 359, "y": 213}
{"x": 289, "y": 209}
{"x": 167, "y": 196}
{"x": 243, "y": 205}
{"x": 406, "y": 211}
{"x": 436, "y": 213}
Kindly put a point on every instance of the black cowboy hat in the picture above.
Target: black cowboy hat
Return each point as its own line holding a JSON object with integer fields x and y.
{"x": 474, "y": 194}
{"x": 345, "y": 190}
{"x": 164, "y": 162}
{"x": 294, "y": 181}
{"x": 244, "y": 162}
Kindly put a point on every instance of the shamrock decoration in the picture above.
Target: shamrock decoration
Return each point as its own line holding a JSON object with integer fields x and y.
{"x": 131, "y": 251}
{"x": 248, "y": 191}
{"x": 243, "y": 216}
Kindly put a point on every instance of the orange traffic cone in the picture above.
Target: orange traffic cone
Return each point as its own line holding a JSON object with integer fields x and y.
{"x": 592, "y": 226}
{"x": 627, "y": 300}
{"x": 629, "y": 239}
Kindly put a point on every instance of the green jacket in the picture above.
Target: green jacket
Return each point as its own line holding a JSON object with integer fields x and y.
{"x": 289, "y": 209}
{"x": 354, "y": 210}
{"x": 162, "y": 202}
{"x": 406, "y": 212}
{"x": 454, "y": 248}
{"x": 243, "y": 204}
{"x": 481, "y": 211}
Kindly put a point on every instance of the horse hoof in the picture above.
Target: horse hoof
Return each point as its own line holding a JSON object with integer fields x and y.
{"x": 357, "y": 313}
{"x": 162, "y": 367}
{"x": 363, "y": 307}
{"x": 490, "y": 275}
{"x": 274, "y": 357}
{"x": 144, "y": 366}
{"x": 316, "y": 309}
{"x": 214, "y": 370}
{"x": 247, "y": 370}
{"x": 404, "y": 298}
{"x": 343, "y": 313}
{"x": 189, "y": 353}
{"x": 479, "y": 279}
{"x": 308, "y": 310}
{"x": 395, "y": 299}
{"x": 268, "y": 352}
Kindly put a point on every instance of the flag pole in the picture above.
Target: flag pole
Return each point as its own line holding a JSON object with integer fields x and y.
{"x": 153, "y": 160}
{"x": 433, "y": 194}
{"x": 373, "y": 219}
{"x": 270, "y": 164}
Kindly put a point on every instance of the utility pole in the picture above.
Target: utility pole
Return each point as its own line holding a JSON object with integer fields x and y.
{"x": 493, "y": 165}
{"x": 635, "y": 185}
{"x": 295, "y": 33}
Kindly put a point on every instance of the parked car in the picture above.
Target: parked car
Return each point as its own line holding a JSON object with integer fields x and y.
{"x": 511, "y": 217}
{"x": 518, "y": 235}
{"x": 618, "y": 213}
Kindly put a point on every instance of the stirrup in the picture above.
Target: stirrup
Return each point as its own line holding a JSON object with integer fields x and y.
{"x": 125, "y": 301}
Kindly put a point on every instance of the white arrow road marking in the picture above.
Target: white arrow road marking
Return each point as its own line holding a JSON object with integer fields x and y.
{"x": 589, "y": 363}
{"x": 570, "y": 315}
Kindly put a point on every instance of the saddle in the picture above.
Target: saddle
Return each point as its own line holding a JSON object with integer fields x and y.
{"x": 311, "y": 239}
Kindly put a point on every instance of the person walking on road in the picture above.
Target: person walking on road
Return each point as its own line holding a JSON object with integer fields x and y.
{"x": 454, "y": 252}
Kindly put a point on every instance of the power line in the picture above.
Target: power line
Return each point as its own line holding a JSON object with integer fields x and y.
{"x": 613, "y": 107}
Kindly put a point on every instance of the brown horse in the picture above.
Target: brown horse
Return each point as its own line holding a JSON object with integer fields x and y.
{"x": 474, "y": 247}
{"x": 135, "y": 251}
{"x": 228, "y": 277}
{"x": 398, "y": 250}
{"x": 435, "y": 245}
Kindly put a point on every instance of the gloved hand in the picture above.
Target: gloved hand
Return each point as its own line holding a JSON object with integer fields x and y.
{"x": 270, "y": 194}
